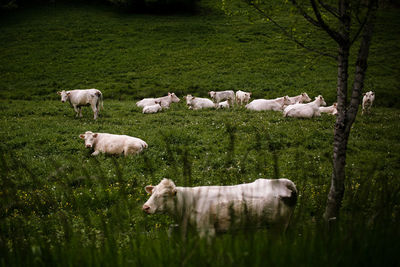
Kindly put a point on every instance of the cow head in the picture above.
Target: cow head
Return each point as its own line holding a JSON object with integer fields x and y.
{"x": 319, "y": 99}
{"x": 286, "y": 100}
{"x": 369, "y": 95}
{"x": 90, "y": 138}
{"x": 189, "y": 99}
{"x": 212, "y": 94}
{"x": 64, "y": 95}
{"x": 173, "y": 97}
{"x": 162, "y": 197}
{"x": 334, "y": 112}
{"x": 305, "y": 97}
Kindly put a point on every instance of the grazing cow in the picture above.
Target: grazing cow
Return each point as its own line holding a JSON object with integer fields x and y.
{"x": 242, "y": 97}
{"x": 330, "y": 110}
{"x": 276, "y": 104}
{"x": 368, "y": 100}
{"x": 305, "y": 110}
{"x": 196, "y": 103}
{"x": 165, "y": 101}
{"x": 83, "y": 97}
{"x": 153, "y": 108}
{"x": 223, "y": 95}
{"x": 211, "y": 209}
{"x": 224, "y": 104}
{"x": 113, "y": 143}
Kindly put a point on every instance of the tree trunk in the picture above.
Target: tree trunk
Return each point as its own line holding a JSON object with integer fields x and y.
{"x": 346, "y": 117}
{"x": 336, "y": 191}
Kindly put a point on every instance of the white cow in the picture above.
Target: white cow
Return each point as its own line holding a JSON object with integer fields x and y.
{"x": 113, "y": 143}
{"x": 223, "y": 104}
{"x": 242, "y": 97}
{"x": 302, "y": 98}
{"x": 196, "y": 103}
{"x": 211, "y": 209}
{"x": 308, "y": 110}
{"x": 83, "y": 97}
{"x": 330, "y": 110}
{"x": 153, "y": 108}
{"x": 368, "y": 100}
{"x": 276, "y": 104}
{"x": 223, "y": 95}
{"x": 165, "y": 101}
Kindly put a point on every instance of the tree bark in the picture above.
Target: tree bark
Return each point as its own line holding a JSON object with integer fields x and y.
{"x": 346, "y": 116}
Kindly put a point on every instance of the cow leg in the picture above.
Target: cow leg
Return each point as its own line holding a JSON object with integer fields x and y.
{"x": 131, "y": 150}
{"x": 96, "y": 153}
{"x": 95, "y": 110}
{"x": 77, "y": 111}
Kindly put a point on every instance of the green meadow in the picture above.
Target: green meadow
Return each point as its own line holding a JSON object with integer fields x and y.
{"x": 61, "y": 206}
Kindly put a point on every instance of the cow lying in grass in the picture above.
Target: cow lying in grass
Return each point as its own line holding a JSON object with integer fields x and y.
{"x": 212, "y": 209}
{"x": 113, "y": 143}
{"x": 330, "y": 110}
{"x": 308, "y": 110}
{"x": 83, "y": 97}
{"x": 302, "y": 98}
{"x": 165, "y": 101}
{"x": 196, "y": 103}
{"x": 276, "y": 104}
{"x": 152, "y": 108}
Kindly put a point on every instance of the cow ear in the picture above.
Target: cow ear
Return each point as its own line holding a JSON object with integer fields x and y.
{"x": 82, "y": 136}
{"x": 363, "y": 93}
{"x": 68, "y": 93}
{"x": 95, "y": 135}
{"x": 149, "y": 189}
{"x": 58, "y": 93}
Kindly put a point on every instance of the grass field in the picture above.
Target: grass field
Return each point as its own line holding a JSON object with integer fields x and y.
{"x": 60, "y": 206}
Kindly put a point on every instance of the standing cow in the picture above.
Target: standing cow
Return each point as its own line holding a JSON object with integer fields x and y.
{"x": 211, "y": 209}
{"x": 83, "y": 97}
{"x": 223, "y": 95}
{"x": 368, "y": 100}
{"x": 242, "y": 97}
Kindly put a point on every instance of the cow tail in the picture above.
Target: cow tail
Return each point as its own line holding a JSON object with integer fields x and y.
{"x": 100, "y": 95}
{"x": 292, "y": 199}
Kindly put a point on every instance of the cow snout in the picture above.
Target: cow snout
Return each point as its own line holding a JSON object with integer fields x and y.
{"x": 63, "y": 101}
{"x": 88, "y": 146}
{"x": 146, "y": 208}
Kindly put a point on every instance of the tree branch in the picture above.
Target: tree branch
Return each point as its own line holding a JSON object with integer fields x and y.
{"x": 305, "y": 15}
{"x": 367, "y": 16}
{"x": 290, "y": 35}
{"x": 333, "y": 34}
{"x": 361, "y": 64}
{"x": 330, "y": 9}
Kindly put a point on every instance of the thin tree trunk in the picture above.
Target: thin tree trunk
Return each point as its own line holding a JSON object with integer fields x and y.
{"x": 336, "y": 191}
{"x": 340, "y": 138}
{"x": 346, "y": 117}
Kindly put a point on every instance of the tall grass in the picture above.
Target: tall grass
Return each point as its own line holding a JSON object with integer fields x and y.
{"x": 59, "y": 205}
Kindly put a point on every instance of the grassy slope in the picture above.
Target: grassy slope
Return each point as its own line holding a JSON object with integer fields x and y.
{"x": 132, "y": 56}
{"x": 56, "y": 198}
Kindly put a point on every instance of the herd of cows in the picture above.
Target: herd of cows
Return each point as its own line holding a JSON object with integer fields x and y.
{"x": 211, "y": 209}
